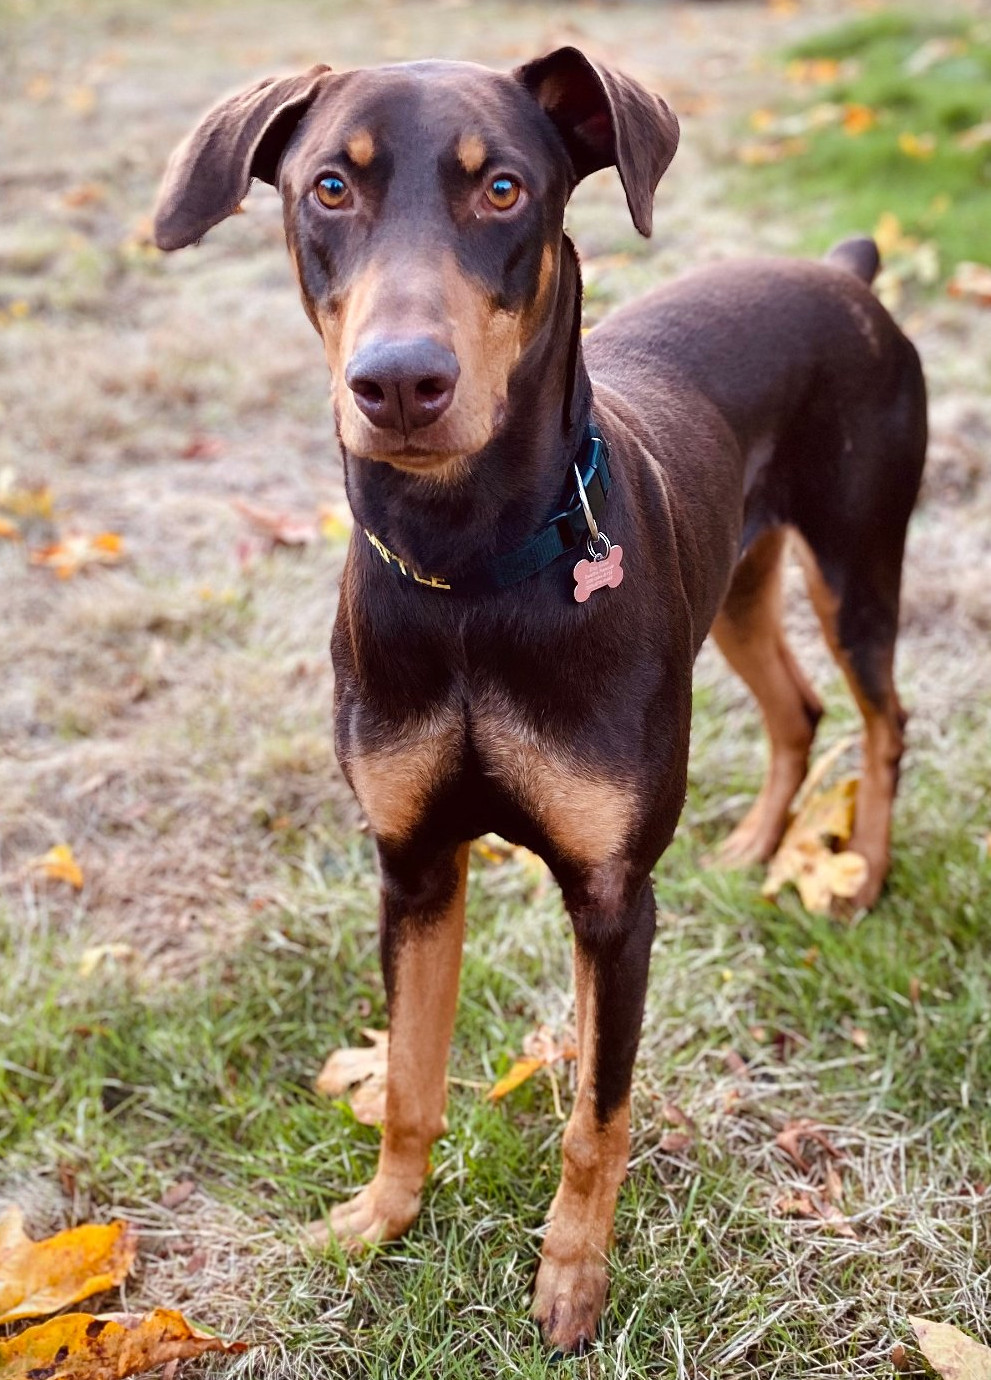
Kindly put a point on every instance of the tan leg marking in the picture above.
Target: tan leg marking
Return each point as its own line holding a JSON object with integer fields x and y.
{"x": 421, "y": 1019}
{"x": 471, "y": 152}
{"x": 588, "y": 817}
{"x": 884, "y": 741}
{"x": 394, "y": 784}
{"x": 360, "y": 148}
{"x": 748, "y": 632}
{"x": 572, "y": 1279}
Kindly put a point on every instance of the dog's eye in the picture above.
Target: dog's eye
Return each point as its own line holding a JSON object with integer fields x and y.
{"x": 502, "y": 193}
{"x": 332, "y": 192}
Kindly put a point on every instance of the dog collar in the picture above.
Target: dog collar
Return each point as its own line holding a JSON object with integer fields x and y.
{"x": 565, "y": 531}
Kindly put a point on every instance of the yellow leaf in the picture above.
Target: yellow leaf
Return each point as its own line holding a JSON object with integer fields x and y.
{"x": 950, "y": 1352}
{"x": 809, "y": 857}
{"x": 774, "y": 151}
{"x": 59, "y": 865}
{"x": 38, "y": 1277}
{"x": 761, "y": 120}
{"x": 93, "y": 957}
{"x": 813, "y": 71}
{"x": 69, "y": 556}
{"x": 334, "y": 526}
{"x": 517, "y": 1075}
{"x": 25, "y": 502}
{"x": 81, "y": 1346}
{"x": 921, "y": 146}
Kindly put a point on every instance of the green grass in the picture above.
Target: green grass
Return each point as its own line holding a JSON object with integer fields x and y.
{"x": 842, "y": 182}
{"x": 132, "y": 1086}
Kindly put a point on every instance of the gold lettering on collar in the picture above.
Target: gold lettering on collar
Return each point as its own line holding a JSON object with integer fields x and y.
{"x": 433, "y": 581}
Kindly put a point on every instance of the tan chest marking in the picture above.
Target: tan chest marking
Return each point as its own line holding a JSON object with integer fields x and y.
{"x": 587, "y": 815}
{"x": 394, "y": 784}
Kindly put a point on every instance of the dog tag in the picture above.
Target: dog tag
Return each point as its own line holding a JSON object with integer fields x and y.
{"x": 593, "y": 575}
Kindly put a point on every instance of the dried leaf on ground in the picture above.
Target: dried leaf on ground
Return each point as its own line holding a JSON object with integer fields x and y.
{"x": 95, "y": 956}
{"x": 281, "y": 528}
{"x": 59, "y": 865}
{"x": 972, "y": 281}
{"x": 790, "y": 1138}
{"x": 176, "y": 1194}
{"x": 771, "y": 151}
{"x": 361, "y": 1069}
{"x": 9, "y": 531}
{"x": 38, "y": 1277}
{"x": 815, "y": 1209}
{"x": 810, "y": 855}
{"x": 541, "y": 1049}
{"x": 951, "y": 1353}
{"x": 81, "y": 1346}
{"x": 72, "y": 554}
{"x": 24, "y": 500}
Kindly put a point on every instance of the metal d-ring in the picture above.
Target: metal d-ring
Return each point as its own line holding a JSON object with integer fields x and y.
{"x": 589, "y": 515}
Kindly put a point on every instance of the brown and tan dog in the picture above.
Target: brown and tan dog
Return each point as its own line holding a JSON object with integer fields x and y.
{"x": 424, "y": 206}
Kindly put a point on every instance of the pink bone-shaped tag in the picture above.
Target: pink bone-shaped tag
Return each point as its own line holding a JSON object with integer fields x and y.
{"x": 593, "y": 575}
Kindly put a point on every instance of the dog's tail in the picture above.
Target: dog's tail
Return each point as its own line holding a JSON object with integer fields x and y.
{"x": 858, "y": 255}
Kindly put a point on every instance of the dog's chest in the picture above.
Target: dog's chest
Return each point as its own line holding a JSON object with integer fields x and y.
{"x": 487, "y": 752}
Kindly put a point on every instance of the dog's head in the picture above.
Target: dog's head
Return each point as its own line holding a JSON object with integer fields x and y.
{"x": 424, "y": 206}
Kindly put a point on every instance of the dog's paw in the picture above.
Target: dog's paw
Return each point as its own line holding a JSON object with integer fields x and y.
{"x": 568, "y": 1299}
{"x": 380, "y": 1212}
{"x": 752, "y": 841}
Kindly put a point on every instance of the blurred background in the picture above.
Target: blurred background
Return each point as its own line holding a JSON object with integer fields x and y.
{"x": 186, "y": 902}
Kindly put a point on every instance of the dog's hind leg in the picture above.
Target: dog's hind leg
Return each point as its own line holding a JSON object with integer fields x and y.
{"x": 749, "y": 634}
{"x": 422, "y": 932}
{"x": 858, "y": 610}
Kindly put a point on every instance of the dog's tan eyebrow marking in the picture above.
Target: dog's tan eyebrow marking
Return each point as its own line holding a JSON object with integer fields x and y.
{"x": 360, "y": 148}
{"x": 471, "y": 152}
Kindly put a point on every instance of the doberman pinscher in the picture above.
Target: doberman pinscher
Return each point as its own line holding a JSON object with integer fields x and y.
{"x": 548, "y": 526}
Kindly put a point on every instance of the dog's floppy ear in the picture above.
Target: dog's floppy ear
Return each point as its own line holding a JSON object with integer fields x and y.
{"x": 209, "y": 174}
{"x": 606, "y": 119}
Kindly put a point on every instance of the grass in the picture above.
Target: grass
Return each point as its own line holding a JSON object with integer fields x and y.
{"x": 922, "y": 80}
{"x": 881, "y": 1032}
{"x": 170, "y": 720}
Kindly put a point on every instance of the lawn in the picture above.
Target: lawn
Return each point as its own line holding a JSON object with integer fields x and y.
{"x": 168, "y": 718}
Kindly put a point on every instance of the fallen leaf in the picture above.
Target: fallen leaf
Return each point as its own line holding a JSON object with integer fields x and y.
{"x": 521, "y": 1070}
{"x": 973, "y": 281}
{"x": 899, "y": 1357}
{"x": 858, "y": 119}
{"x": 9, "y": 531}
{"x": 24, "y": 500}
{"x": 736, "y": 1064}
{"x": 809, "y": 856}
{"x": 202, "y": 448}
{"x": 859, "y": 1037}
{"x": 69, "y": 556}
{"x": 335, "y": 525}
{"x": 541, "y": 1049}
{"x": 281, "y": 529}
{"x": 94, "y": 956}
{"x": 920, "y": 146}
{"x": 363, "y": 1069}
{"x": 950, "y": 1352}
{"x": 86, "y": 194}
{"x": 790, "y": 1138}
{"x": 813, "y": 71}
{"x": 38, "y": 1277}
{"x": 810, "y": 1206}
{"x": 176, "y": 1194}
{"x": 59, "y": 865}
{"x": 81, "y": 1346}
{"x": 772, "y": 151}
{"x": 675, "y": 1142}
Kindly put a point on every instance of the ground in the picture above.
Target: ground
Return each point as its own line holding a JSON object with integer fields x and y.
{"x": 169, "y": 719}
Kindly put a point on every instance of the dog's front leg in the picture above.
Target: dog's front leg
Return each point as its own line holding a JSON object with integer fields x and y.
{"x": 614, "y": 925}
{"x": 421, "y": 935}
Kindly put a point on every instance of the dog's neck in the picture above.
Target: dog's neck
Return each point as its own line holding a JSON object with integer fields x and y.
{"x": 498, "y": 498}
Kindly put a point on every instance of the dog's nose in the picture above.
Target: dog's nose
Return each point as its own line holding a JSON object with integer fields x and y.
{"x": 403, "y": 384}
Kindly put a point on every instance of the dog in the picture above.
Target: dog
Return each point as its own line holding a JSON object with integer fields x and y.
{"x": 546, "y": 529}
